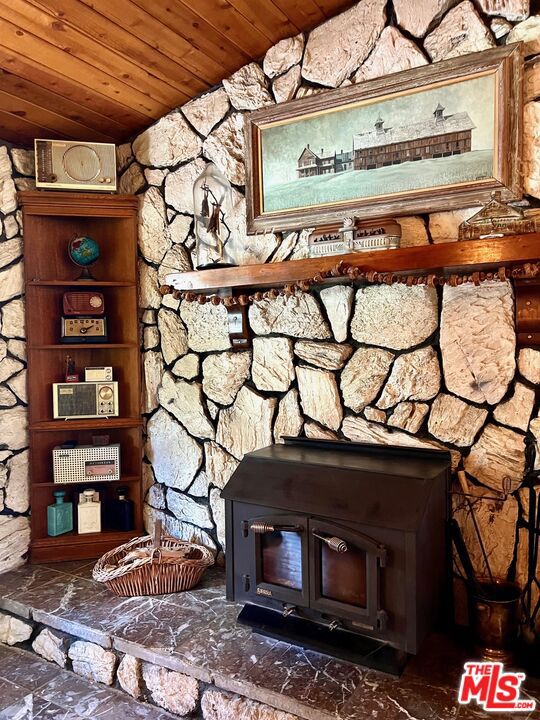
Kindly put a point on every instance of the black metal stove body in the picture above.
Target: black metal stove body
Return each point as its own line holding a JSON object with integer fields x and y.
{"x": 340, "y": 546}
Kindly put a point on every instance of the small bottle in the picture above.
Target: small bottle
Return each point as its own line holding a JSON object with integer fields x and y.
{"x": 59, "y": 515}
{"x": 122, "y": 511}
{"x": 89, "y": 511}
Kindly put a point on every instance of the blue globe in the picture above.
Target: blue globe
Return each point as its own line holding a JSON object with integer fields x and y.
{"x": 83, "y": 251}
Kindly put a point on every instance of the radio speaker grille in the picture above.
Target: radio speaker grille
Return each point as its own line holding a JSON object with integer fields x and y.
{"x": 81, "y": 163}
{"x": 76, "y": 401}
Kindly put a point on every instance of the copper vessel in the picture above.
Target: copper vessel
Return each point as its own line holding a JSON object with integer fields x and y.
{"x": 495, "y": 617}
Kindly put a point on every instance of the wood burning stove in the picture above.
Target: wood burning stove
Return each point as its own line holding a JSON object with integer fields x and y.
{"x": 340, "y": 546}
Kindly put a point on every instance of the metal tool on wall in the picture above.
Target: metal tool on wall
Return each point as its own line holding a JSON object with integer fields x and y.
{"x": 465, "y": 487}
{"x": 461, "y": 549}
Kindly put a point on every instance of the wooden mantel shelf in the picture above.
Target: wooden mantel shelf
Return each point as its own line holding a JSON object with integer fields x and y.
{"x": 463, "y": 256}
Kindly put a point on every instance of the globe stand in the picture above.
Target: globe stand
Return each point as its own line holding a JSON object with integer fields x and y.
{"x": 85, "y": 274}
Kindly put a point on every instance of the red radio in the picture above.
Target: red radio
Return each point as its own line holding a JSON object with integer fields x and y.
{"x": 83, "y": 303}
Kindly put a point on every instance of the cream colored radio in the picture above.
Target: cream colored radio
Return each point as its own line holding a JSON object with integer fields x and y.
{"x": 65, "y": 165}
{"x": 85, "y": 400}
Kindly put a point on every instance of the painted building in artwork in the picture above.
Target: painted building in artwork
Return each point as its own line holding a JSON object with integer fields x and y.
{"x": 439, "y": 136}
{"x": 310, "y": 163}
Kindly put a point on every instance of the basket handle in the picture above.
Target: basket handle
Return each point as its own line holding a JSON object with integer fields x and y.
{"x": 156, "y": 542}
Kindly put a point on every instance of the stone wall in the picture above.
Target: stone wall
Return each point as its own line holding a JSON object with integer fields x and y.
{"x": 308, "y": 371}
{"x": 411, "y": 366}
{"x": 15, "y": 165}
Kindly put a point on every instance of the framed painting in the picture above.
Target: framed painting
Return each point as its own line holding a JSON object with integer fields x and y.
{"x": 434, "y": 138}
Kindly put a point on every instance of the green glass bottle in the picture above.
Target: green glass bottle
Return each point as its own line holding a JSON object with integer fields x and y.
{"x": 59, "y": 515}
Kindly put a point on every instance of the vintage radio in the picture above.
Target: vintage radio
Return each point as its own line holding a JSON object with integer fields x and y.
{"x": 83, "y": 330}
{"x": 98, "y": 374}
{"x": 86, "y": 463}
{"x": 64, "y": 165}
{"x": 85, "y": 400}
{"x": 79, "y": 303}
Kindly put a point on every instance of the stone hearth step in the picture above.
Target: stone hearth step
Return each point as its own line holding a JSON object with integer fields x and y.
{"x": 32, "y": 688}
{"x": 185, "y": 654}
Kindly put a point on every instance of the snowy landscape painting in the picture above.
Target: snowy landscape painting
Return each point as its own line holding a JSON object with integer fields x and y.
{"x": 443, "y": 135}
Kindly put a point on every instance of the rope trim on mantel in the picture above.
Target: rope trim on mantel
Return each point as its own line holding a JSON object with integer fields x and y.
{"x": 353, "y": 273}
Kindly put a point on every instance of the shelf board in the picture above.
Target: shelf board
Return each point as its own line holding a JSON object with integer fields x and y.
{"x": 79, "y": 204}
{"x": 86, "y": 346}
{"x": 468, "y": 255}
{"x": 123, "y": 479}
{"x": 73, "y": 538}
{"x": 80, "y": 283}
{"x": 91, "y": 424}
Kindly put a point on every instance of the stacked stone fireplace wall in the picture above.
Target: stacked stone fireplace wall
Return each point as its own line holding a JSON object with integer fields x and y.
{"x": 393, "y": 365}
{"x": 413, "y": 366}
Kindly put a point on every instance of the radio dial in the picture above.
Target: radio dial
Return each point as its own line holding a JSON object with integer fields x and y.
{"x": 96, "y": 301}
{"x": 106, "y": 393}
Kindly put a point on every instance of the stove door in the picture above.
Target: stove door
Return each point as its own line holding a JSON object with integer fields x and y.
{"x": 345, "y": 571}
{"x": 279, "y": 552}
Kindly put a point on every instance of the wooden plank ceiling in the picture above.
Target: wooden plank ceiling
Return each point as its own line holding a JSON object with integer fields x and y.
{"x": 104, "y": 69}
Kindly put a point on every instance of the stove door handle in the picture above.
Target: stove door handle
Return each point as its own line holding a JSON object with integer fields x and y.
{"x": 260, "y": 528}
{"x": 334, "y": 543}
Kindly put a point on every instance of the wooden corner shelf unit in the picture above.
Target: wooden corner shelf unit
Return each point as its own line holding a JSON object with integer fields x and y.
{"x": 51, "y": 220}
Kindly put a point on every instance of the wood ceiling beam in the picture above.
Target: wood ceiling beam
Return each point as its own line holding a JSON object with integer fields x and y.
{"x": 334, "y": 7}
{"x": 102, "y": 29}
{"x": 144, "y": 26}
{"x": 231, "y": 27}
{"x": 267, "y": 18}
{"x": 60, "y": 63}
{"x": 193, "y": 27}
{"x": 51, "y": 121}
{"x": 66, "y": 108}
{"x": 304, "y": 14}
{"x": 105, "y": 69}
{"x": 23, "y": 130}
{"x": 71, "y": 89}
{"x": 63, "y": 51}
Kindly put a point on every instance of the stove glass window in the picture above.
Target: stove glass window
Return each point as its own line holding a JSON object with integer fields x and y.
{"x": 343, "y": 575}
{"x": 282, "y": 559}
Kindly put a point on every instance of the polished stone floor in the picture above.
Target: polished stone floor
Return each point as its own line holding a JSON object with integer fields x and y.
{"x": 34, "y": 689}
{"x": 196, "y": 632}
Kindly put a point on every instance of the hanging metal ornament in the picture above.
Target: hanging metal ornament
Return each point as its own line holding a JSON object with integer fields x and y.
{"x": 213, "y": 216}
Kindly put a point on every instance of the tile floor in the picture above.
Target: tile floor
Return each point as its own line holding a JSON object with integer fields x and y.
{"x": 196, "y": 632}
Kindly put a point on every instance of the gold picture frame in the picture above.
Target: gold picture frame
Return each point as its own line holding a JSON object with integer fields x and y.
{"x": 468, "y": 149}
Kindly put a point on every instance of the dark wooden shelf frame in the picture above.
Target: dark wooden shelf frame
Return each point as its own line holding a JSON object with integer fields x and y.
{"x": 73, "y": 546}
{"x": 50, "y": 221}
{"x": 80, "y": 283}
{"x": 467, "y": 256}
{"x": 92, "y": 424}
{"x": 77, "y": 539}
{"x": 78, "y": 346}
{"x": 124, "y": 480}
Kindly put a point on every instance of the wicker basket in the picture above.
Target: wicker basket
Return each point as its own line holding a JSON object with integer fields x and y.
{"x": 158, "y": 565}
